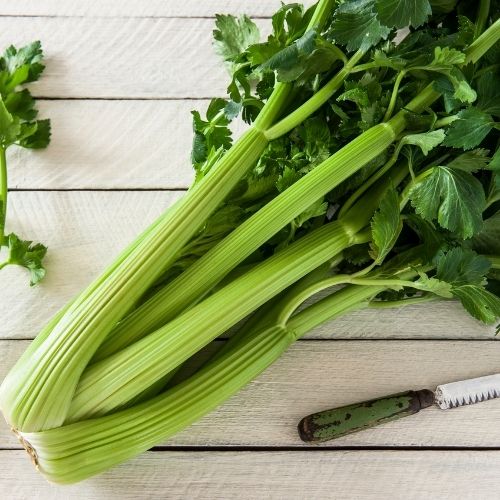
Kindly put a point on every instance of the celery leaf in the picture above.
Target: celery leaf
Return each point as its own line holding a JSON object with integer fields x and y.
{"x": 401, "y": 13}
{"x": 452, "y": 197}
{"x": 386, "y": 226}
{"x": 28, "y": 255}
{"x": 357, "y": 26}
{"x": 478, "y": 302}
{"x": 469, "y": 130}
{"x": 233, "y": 36}
{"x": 426, "y": 141}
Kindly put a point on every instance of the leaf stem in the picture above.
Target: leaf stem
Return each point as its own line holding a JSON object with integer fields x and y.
{"x": 314, "y": 102}
{"x": 3, "y": 194}
{"x": 281, "y": 92}
{"x": 482, "y": 17}
{"x": 483, "y": 43}
{"x": 389, "y": 304}
{"x": 405, "y": 195}
{"x": 443, "y": 122}
{"x": 394, "y": 95}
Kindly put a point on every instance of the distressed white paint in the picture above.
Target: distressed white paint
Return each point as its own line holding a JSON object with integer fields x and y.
{"x": 134, "y": 8}
{"x": 122, "y": 57}
{"x": 271, "y": 475}
{"x": 113, "y": 144}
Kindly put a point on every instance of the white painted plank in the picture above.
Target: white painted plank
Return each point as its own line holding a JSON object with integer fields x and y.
{"x": 342, "y": 475}
{"x": 85, "y": 230}
{"x": 127, "y": 57}
{"x": 110, "y": 144}
{"x": 132, "y": 8}
{"x": 316, "y": 375}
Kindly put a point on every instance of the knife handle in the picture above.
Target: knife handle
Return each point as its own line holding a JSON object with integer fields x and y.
{"x": 337, "y": 422}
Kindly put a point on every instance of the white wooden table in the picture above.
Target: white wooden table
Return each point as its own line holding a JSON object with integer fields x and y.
{"x": 121, "y": 79}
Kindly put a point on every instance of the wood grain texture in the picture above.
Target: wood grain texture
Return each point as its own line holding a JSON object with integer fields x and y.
{"x": 85, "y": 231}
{"x": 111, "y": 145}
{"x": 134, "y": 8}
{"x": 316, "y": 375}
{"x": 297, "y": 475}
{"x": 122, "y": 57}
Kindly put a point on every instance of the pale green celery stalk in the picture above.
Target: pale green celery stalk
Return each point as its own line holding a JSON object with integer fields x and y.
{"x": 143, "y": 320}
{"x": 482, "y": 16}
{"x": 38, "y": 397}
{"x": 107, "y": 384}
{"x": 203, "y": 274}
{"x": 3, "y": 194}
{"x": 42, "y": 399}
{"x": 77, "y": 451}
{"x": 483, "y": 43}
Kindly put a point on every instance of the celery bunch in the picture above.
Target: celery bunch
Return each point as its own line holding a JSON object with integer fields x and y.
{"x": 370, "y": 165}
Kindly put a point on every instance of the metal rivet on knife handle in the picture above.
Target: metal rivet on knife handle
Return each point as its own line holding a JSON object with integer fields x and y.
{"x": 337, "y": 422}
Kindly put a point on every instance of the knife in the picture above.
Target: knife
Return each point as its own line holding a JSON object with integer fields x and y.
{"x": 331, "y": 424}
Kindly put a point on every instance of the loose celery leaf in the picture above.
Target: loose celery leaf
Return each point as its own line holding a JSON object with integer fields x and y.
{"x": 471, "y": 161}
{"x": 459, "y": 266}
{"x": 478, "y": 302}
{"x": 487, "y": 241}
{"x": 35, "y": 135}
{"x": 19, "y": 66}
{"x": 386, "y": 226}
{"x": 469, "y": 130}
{"x": 21, "y": 104}
{"x": 453, "y": 197}
{"x": 28, "y": 255}
{"x": 356, "y": 25}
{"x": 10, "y": 126}
{"x": 426, "y": 141}
{"x": 401, "y": 13}
{"x": 233, "y": 36}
